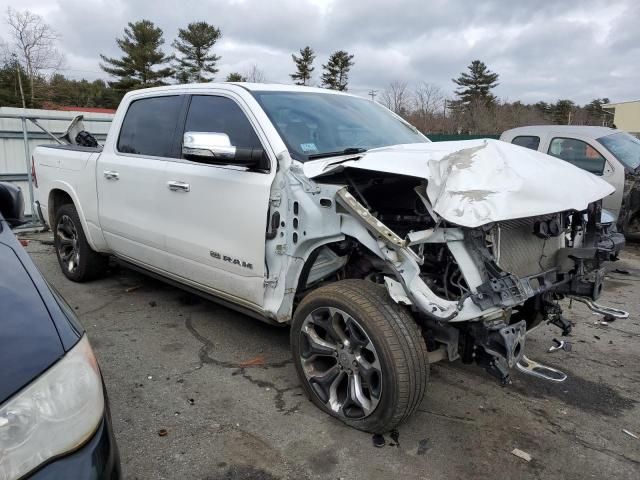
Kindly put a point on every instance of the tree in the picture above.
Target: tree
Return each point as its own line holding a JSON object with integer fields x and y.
{"x": 596, "y": 115}
{"x": 303, "y": 66}
{"x": 135, "y": 69}
{"x": 236, "y": 77}
{"x": 476, "y": 85}
{"x": 32, "y": 47}
{"x": 428, "y": 106}
{"x": 396, "y": 97}
{"x": 197, "y": 63}
{"x": 255, "y": 75}
{"x": 336, "y": 71}
{"x": 562, "y": 112}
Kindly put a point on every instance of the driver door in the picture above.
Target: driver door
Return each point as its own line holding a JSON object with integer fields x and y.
{"x": 216, "y": 215}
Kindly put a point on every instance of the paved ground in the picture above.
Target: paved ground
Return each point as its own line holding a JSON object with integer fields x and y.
{"x": 177, "y": 363}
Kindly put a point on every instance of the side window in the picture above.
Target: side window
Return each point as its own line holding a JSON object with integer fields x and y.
{"x": 149, "y": 126}
{"x": 578, "y": 153}
{"x": 527, "y": 141}
{"x": 213, "y": 114}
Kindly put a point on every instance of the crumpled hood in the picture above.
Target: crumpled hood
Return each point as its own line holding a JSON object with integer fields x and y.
{"x": 474, "y": 182}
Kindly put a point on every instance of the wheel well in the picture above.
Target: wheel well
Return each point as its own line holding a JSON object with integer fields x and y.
{"x": 57, "y": 198}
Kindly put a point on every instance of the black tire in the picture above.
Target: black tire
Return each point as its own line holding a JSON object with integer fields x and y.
{"x": 76, "y": 258}
{"x": 390, "y": 332}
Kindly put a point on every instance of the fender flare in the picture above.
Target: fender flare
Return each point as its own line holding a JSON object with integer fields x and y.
{"x": 70, "y": 191}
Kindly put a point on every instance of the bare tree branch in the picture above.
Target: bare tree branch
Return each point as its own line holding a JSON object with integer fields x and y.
{"x": 33, "y": 42}
{"x": 255, "y": 75}
{"x": 396, "y": 97}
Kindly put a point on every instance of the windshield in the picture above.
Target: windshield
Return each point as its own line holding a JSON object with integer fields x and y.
{"x": 315, "y": 125}
{"x": 625, "y": 147}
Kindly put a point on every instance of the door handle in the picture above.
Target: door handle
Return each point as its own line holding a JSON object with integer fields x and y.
{"x": 111, "y": 175}
{"x": 176, "y": 186}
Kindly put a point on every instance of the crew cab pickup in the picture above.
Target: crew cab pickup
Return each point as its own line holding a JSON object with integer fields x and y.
{"x": 302, "y": 206}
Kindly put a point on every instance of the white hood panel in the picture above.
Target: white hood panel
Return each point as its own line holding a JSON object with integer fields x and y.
{"x": 474, "y": 182}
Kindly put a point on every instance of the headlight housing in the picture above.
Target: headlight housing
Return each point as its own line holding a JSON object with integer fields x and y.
{"x": 53, "y": 415}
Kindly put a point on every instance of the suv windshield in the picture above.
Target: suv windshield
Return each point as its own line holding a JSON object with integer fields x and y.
{"x": 315, "y": 125}
{"x": 625, "y": 147}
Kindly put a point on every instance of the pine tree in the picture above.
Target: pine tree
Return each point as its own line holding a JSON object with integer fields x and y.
{"x": 236, "y": 77}
{"x": 303, "y": 66}
{"x": 476, "y": 85}
{"x": 197, "y": 63}
{"x": 562, "y": 111}
{"x": 135, "y": 69}
{"x": 336, "y": 70}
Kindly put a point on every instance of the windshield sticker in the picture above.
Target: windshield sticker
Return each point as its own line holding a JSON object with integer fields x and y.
{"x": 309, "y": 147}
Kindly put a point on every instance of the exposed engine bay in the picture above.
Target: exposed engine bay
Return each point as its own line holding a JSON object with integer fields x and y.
{"x": 484, "y": 287}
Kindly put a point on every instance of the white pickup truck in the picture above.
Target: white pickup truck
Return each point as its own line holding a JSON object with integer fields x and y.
{"x": 325, "y": 211}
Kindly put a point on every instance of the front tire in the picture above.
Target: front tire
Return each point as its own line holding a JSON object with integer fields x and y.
{"x": 360, "y": 356}
{"x": 75, "y": 256}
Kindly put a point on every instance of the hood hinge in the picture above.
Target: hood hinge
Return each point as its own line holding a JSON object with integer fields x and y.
{"x": 275, "y": 199}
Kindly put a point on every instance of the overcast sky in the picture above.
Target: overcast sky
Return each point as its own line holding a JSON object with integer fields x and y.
{"x": 543, "y": 50}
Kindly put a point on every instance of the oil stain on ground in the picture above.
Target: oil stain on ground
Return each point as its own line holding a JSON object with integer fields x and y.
{"x": 596, "y": 397}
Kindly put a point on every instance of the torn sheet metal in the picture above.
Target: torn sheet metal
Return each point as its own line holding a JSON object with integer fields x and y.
{"x": 475, "y": 182}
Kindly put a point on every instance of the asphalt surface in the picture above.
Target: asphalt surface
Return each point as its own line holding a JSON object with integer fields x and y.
{"x": 223, "y": 388}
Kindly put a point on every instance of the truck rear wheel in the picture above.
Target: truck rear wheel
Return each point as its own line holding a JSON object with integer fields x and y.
{"x": 360, "y": 357}
{"x": 76, "y": 258}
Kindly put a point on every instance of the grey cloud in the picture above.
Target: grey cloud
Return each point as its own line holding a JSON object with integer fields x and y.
{"x": 578, "y": 49}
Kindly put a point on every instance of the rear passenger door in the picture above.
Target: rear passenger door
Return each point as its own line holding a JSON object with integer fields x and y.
{"x": 215, "y": 223}
{"x": 130, "y": 179}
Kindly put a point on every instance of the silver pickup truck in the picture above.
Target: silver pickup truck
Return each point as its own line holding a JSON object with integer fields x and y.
{"x": 302, "y": 206}
{"x": 611, "y": 154}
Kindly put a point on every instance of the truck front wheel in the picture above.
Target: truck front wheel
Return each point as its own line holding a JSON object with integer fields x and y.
{"x": 360, "y": 357}
{"x": 76, "y": 258}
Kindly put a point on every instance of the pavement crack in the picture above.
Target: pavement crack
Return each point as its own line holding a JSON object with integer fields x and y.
{"x": 454, "y": 418}
{"x": 279, "y": 398}
{"x": 207, "y": 346}
{"x": 204, "y": 354}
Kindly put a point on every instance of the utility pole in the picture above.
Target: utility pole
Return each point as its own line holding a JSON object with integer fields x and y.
{"x": 444, "y": 110}
{"x": 17, "y": 65}
{"x": 372, "y": 94}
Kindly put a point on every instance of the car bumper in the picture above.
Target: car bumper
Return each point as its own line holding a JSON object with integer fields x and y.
{"x": 98, "y": 459}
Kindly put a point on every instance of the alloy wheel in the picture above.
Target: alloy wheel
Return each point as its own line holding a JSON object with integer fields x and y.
{"x": 340, "y": 363}
{"x": 68, "y": 248}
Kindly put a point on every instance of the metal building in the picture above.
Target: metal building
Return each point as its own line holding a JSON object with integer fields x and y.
{"x": 19, "y": 135}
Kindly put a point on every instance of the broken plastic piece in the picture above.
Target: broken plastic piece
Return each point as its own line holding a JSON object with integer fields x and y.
{"x": 602, "y": 309}
{"x": 631, "y": 434}
{"x": 559, "y": 345}
{"x": 521, "y": 454}
{"x": 530, "y": 367}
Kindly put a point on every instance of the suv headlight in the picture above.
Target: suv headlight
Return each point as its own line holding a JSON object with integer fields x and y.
{"x": 53, "y": 415}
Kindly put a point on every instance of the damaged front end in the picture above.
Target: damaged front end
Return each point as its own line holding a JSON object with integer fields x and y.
{"x": 474, "y": 239}
{"x": 477, "y": 291}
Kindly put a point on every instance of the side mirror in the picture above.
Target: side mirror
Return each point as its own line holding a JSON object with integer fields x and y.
{"x": 213, "y": 147}
{"x": 11, "y": 204}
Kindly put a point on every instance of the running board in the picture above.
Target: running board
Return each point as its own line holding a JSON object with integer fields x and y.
{"x": 535, "y": 369}
{"x": 601, "y": 309}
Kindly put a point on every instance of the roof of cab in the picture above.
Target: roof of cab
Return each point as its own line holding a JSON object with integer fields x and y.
{"x": 254, "y": 87}
{"x": 586, "y": 131}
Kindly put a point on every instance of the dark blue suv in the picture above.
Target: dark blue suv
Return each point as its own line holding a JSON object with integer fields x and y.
{"x": 54, "y": 413}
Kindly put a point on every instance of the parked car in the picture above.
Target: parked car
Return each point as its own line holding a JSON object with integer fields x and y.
{"x": 54, "y": 413}
{"x": 320, "y": 209}
{"x": 612, "y": 154}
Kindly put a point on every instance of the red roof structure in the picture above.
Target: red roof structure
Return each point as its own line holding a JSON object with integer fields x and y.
{"x": 64, "y": 108}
